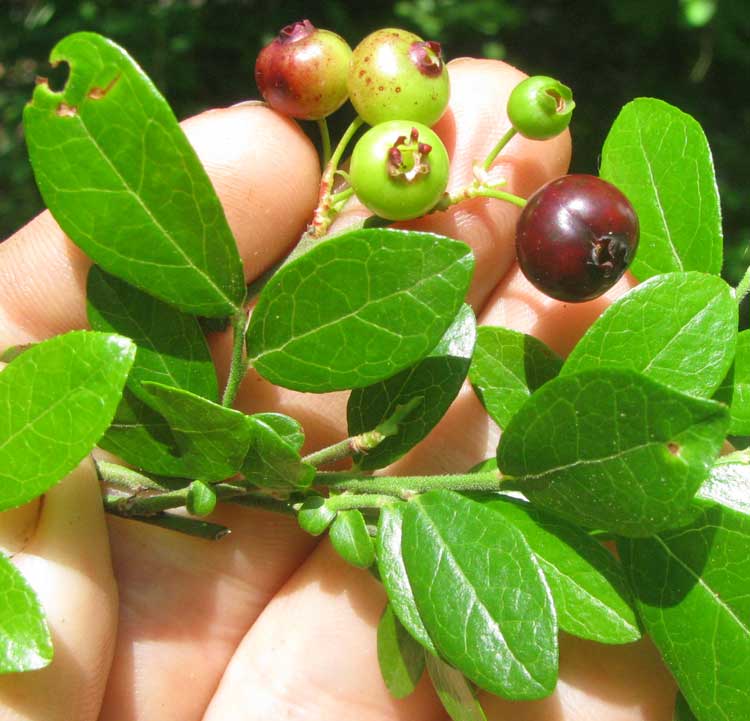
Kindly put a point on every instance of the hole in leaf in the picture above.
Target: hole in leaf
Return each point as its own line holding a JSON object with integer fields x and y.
{"x": 57, "y": 77}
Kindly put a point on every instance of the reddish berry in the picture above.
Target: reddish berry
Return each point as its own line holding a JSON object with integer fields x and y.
{"x": 395, "y": 75}
{"x": 303, "y": 71}
{"x": 576, "y": 236}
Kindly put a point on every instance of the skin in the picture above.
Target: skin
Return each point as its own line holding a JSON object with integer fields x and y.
{"x": 269, "y": 623}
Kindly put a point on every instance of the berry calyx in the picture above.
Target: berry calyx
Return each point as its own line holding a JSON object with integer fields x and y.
{"x": 576, "y": 237}
{"x": 540, "y": 107}
{"x": 399, "y": 170}
{"x": 303, "y": 71}
{"x": 395, "y": 75}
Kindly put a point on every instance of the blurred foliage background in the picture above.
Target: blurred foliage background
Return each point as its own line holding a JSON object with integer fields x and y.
{"x": 692, "y": 53}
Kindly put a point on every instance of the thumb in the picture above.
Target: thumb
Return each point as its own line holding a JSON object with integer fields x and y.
{"x": 66, "y": 561}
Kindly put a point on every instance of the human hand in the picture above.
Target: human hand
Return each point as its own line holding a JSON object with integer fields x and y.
{"x": 266, "y": 623}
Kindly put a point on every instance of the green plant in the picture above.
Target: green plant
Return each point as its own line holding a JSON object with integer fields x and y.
{"x": 620, "y": 440}
{"x": 576, "y": 237}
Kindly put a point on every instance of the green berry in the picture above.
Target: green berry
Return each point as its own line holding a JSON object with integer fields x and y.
{"x": 201, "y": 499}
{"x": 395, "y": 75}
{"x": 540, "y": 107}
{"x": 399, "y": 170}
{"x": 303, "y": 71}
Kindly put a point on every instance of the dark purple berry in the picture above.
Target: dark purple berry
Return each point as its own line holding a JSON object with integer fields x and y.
{"x": 303, "y": 71}
{"x": 576, "y": 237}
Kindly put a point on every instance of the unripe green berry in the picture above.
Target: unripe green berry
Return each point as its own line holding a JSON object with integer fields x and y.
{"x": 399, "y": 170}
{"x": 540, "y": 107}
{"x": 303, "y": 71}
{"x": 395, "y": 75}
{"x": 201, "y": 499}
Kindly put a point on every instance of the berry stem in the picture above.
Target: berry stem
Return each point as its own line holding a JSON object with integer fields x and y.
{"x": 743, "y": 287}
{"x": 344, "y": 449}
{"x": 407, "y": 486}
{"x": 478, "y": 190}
{"x": 239, "y": 364}
{"x": 348, "y": 501}
{"x": 325, "y": 141}
{"x": 500, "y": 145}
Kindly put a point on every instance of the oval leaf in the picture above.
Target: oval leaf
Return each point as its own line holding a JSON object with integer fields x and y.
{"x": 588, "y": 585}
{"x": 481, "y": 594}
{"x": 435, "y": 381}
{"x": 213, "y": 440}
{"x": 691, "y": 587}
{"x": 678, "y": 329}
{"x": 56, "y": 400}
{"x": 271, "y": 461}
{"x": 351, "y": 540}
{"x": 357, "y": 308}
{"x": 729, "y": 483}
{"x": 454, "y": 691}
{"x": 613, "y": 450}
{"x": 125, "y": 184}
{"x": 507, "y": 367}
{"x": 400, "y": 657}
{"x": 172, "y": 349}
{"x": 25, "y": 641}
{"x": 659, "y": 157}
{"x": 393, "y": 573}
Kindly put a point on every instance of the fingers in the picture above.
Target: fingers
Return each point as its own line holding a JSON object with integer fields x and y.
{"x": 66, "y": 560}
{"x": 185, "y": 604}
{"x": 265, "y": 172}
{"x": 312, "y": 654}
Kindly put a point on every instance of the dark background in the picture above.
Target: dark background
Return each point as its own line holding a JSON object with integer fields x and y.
{"x": 692, "y": 53}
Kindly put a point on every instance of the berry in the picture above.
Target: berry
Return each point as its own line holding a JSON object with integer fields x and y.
{"x": 576, "y": 236}
{"x": 395, "y": 75}
{"x": 303, "y": 71}
{"x": 540, "y": 107}
{"x": 399, "y": 170}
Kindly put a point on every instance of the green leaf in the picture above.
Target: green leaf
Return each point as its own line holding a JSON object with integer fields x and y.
{"x": 400, "y": 657}
{"x": 213, "y": 439}
{"x": 56, "y": 400}
{"x": 678, "y": 329}
{"x": 351, "y": 540}
{"x": 357, "y": 308}
{"x": 481, "y": 595}
{"x": 454, "y": 691}
{"x": 171, "y": 347}
{"x": 659, "y": 157}
{"x": 588, "y": 585}
{"x": 613, "y": 450}
{"x": 691, "y": 587}
{"x": 729, "y": 483}
{"x": 288, "y": 428}
{"x": 682, "y": 711}
{"x": 314, "y": 516}
{"x": 740, "y": 425}
{"x": 125, "y": 184}
{"x": 271, "y": 460}
{"x": 393, "y": 573}
{"x": 435, "y": 380}
{"x": 507, "y": 367}
{"x": 143, "y": 438}
{"x": 25, "y": 642}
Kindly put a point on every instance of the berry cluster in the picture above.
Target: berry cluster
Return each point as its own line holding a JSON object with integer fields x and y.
{"x": 576, "y": 236}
